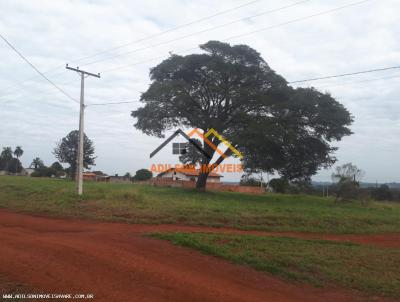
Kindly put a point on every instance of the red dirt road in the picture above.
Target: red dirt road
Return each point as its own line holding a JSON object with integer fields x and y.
{"x": 116, "y": 263}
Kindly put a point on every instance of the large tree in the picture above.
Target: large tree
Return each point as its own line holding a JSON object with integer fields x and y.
{"x": 233, "y": 90}
{"x": 67, "y": 149}
{"x": 192, "y": 155}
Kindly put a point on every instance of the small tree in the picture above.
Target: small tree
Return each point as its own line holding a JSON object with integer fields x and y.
{"x": 18, "y": 152}
{"x": 142, "y": 174}
{"x": 279, "y": 185}
{"x": 14, "y": 166}
{"x": 382, "y": 193}
{"x": 347, "y": 179}
{"x": 5, "y": 158}
{"x": 37, "y": 163}
{"x": 67, "y": 149}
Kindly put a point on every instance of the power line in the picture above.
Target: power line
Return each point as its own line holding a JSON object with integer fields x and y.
{"x": 358, "y": 82}
{"x": 37, "y": 70}
{"x": 113, "y": 103}
{"x": 144, "y": 39}
{"x": 249, "y": 33}
{"x": 199, "y": 32}
{"x": 167, "y": 31}
{"x": 299, "y": 19}
{"x": 344, "y": 74}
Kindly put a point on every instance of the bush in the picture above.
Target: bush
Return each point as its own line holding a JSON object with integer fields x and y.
{"x": 142, "y": 174}
{"x": 279, "y": 185}
{"x": 382, "y": 193}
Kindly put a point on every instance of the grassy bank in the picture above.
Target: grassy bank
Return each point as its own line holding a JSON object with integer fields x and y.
{"x": 145, "y": 204}
{"x": 321, "y": 263}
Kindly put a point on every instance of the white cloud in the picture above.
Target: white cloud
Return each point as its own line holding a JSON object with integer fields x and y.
{"x": 52, "y": 33}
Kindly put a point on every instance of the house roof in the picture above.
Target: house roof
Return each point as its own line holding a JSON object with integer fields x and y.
{"x": 88, "y": 174}
{"x": 189, "y": 172}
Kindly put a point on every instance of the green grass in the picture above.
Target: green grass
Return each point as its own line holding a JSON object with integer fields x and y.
{"x": 368, "y": 269}
{"x": 146, "y": 204}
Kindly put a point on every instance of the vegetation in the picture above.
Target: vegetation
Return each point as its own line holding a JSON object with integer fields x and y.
{"x": 233, "y": 90}
{"x": 192, "y": 155}
{"x": 322, "y": 263}
{"x": 55, "y": 170}
{"x": 8, "y": 162}
{"x": 347, "y": 178}
{"x": 147, "y": 204}
{"x": 142, "y": 174}
{"x": 67, "y": 149}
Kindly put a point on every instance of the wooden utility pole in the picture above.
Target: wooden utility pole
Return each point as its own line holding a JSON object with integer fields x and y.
{"x": 79, "y": 159}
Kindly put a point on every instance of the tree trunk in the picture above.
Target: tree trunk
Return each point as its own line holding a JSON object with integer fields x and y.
{"x": 202, "y": 182}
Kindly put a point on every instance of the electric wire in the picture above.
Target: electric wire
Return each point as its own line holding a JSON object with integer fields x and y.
{"x": 37, "y": 70}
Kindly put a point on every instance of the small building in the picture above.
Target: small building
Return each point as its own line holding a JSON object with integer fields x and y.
{"x": 120, "y": 179}
{"x": 89, "y": 176}
{"x": 187, "y": 175}
{"x": 27, "y": 171}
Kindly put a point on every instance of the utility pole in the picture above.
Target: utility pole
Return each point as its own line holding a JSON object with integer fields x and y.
{"x": 79, "y": 159}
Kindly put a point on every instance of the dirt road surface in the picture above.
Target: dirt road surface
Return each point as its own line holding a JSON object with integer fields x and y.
{"x": 116, "y": 262}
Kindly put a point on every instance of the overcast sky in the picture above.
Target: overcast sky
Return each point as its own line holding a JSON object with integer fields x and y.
{"x": 51, "y": 33}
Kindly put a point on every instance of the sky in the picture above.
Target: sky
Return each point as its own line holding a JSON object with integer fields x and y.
{"x": 123, "y": 39}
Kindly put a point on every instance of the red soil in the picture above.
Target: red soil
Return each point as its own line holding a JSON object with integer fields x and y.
{"x": 115, "y": 263}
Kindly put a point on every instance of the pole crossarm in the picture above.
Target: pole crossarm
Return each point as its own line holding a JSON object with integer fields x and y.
{"x": 83, "y": 71}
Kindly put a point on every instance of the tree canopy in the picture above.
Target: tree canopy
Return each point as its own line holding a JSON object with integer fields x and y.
{"x": 233, "y": 90}
{"x": 67, "y": 149}
{"x": 18, "y": 152}
{"x": 142, "y": 174}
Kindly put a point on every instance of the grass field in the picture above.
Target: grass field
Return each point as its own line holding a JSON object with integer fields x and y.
{"x": 369, "y": 269}
{"x": 146, "y": 204}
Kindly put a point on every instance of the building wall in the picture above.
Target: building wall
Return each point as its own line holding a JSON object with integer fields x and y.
{"x": 212, "y": 186}
{"x": 181, "y": 176}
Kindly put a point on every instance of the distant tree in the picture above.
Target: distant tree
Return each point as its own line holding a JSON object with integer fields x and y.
{"x": 279, "y": 185}
{"x": 37, "y": 163}
{"x": 251, "y": 182}
{"x": 233, "y": 90}
{"x": 382, "y": 193}
{"x": 127, "y": 175}
{"x": 347, "y": 178}
{"x": 142, "y": 174}
{"x": 7, "y": 153}
{"x": 57, "y": 166}
{"x": 18, "y": 152}
{"x": 5, "y": 157}
{"x": 14, "y": 166}
{"x": 67, "y": 149}
{"x": 17, "y": 165}
{"x": 192, "y": 156}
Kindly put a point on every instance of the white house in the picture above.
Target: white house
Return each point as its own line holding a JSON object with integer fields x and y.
{"x": 27, "y": 171}
{"x": 188, "y": 175}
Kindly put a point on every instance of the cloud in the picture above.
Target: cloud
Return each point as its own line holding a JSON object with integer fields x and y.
{"x": 52, "y": 33}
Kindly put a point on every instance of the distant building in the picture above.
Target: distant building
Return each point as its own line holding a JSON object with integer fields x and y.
{"x": 120, "y": 179}
{"x": 89, "y": 176}
{"x": 27, "y": 171}
{"x": 188, "y": 175}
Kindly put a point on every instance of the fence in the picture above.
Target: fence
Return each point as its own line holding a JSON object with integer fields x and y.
{"x": 213, "y": 186}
